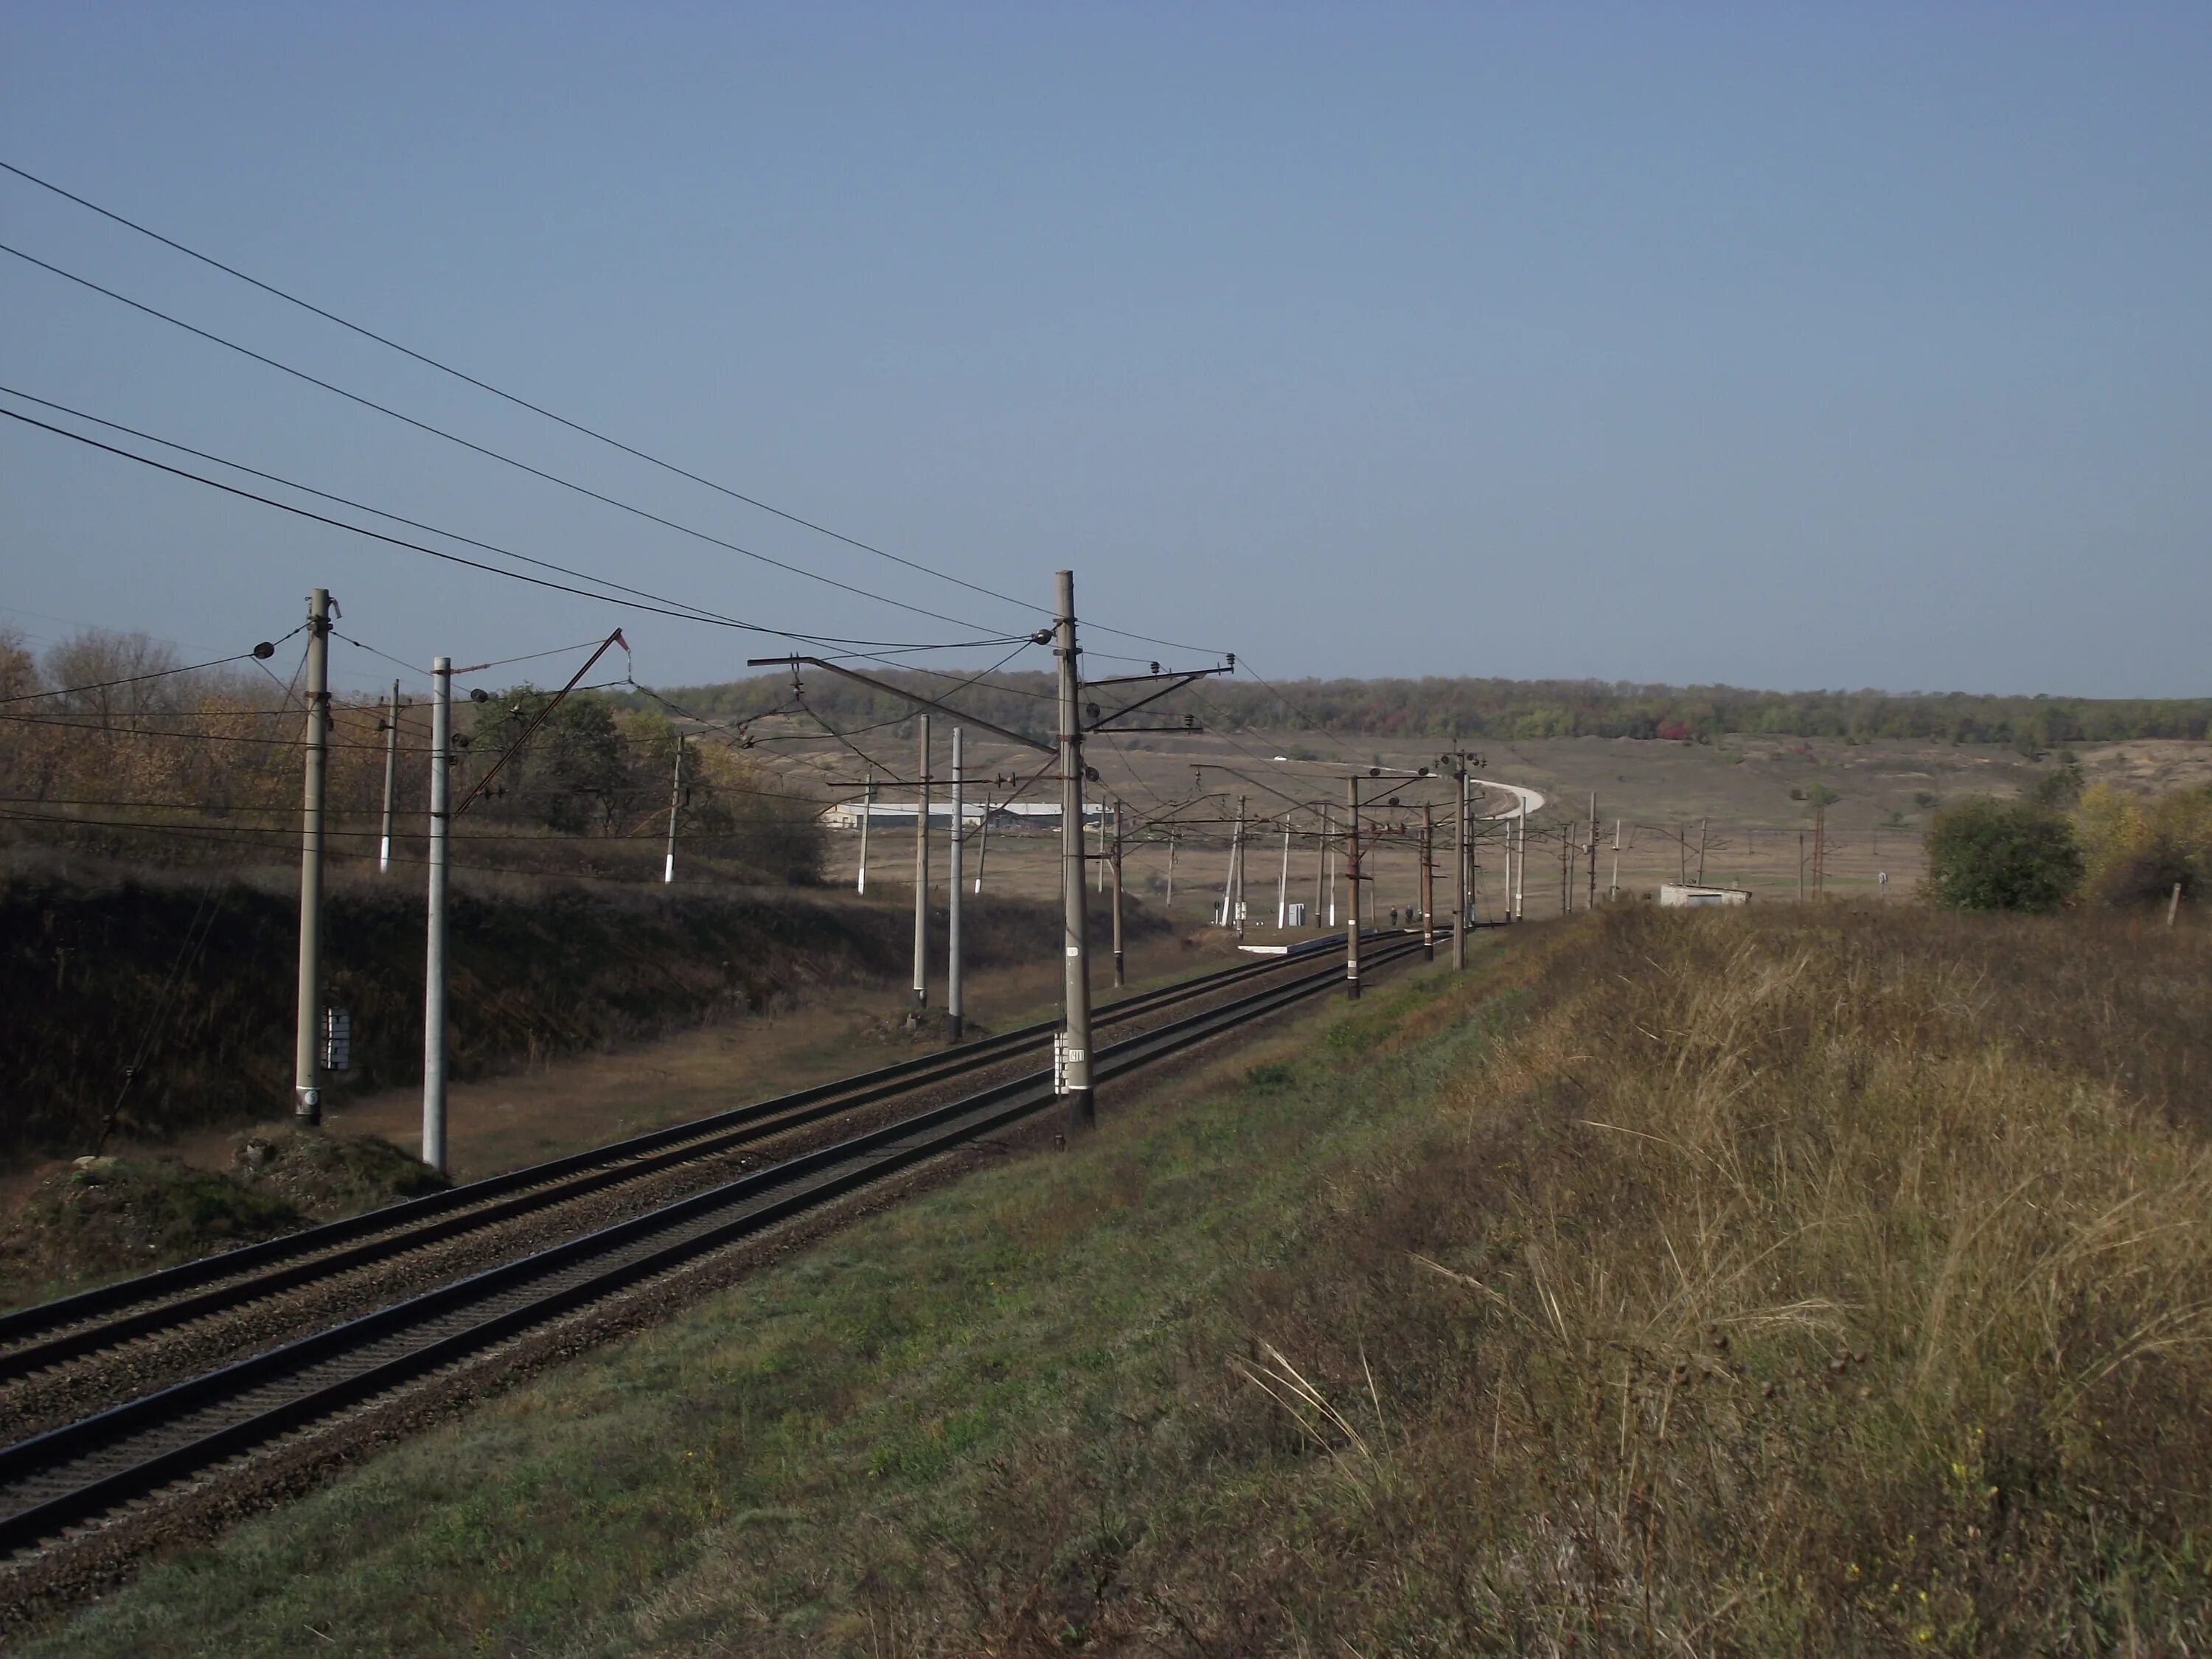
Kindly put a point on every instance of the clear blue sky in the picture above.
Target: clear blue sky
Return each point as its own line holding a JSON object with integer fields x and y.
{"x": 1785, "y": 345}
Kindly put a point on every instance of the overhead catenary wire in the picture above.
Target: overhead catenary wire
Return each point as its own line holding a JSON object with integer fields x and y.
{"x": 659, "y": 603}
{"x": 696, "y": 615}
{"x": 484, "y": 450}
{"x": 581, "y": 427}
{"x": 515, "y": 398}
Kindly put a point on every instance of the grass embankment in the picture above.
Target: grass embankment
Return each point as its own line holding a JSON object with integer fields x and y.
{"x": 193, "y": 984}
{"x": 1747, "y": 1285}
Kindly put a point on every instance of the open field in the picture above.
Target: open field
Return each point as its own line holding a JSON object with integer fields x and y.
{"x": 1737, "y": 792}
{"x": 1495, "y": 1315}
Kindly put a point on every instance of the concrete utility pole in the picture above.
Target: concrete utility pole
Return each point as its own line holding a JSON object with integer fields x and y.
{"x": 1321, "y": 865}
{"x": 391, "y": 777}
{"x": 1593, "y": 852}
{"x": 1351, "y": 890}
{"x": 1238, "y": 862}
{"x": 1459, "y": 850}
{"x": 1428, "y": 883}
{"x": 675, "y": 800}
{"x": 433, "y": 966}
{"x": 1229, "y": 882}
{"x": 1171, "y": 850}
{"x": 1119, "y": 969}
{"x": 1614, "y": 891}
{"x": 306, "y": 1094}
{"x": 1521, "y": 868}
{"x": 1283, "y": 883}
{"x": 1073, "y": 1073}
{"x": 867, "y": 817}
{"x": 953, "y": 1008}
{"x": 922, "y": 873}
{"x": 1512, "y": 865}
{"x": 1702, "y": 822}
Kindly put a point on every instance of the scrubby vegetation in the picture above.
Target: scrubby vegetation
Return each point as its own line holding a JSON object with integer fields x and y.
{"x": 1831, "y": 1281}
{"x": 2114, "y": 849}
{"x": 97, "y": 1218}
{"x": 1989, "y": 854}
{"x": 2137, "y": 849}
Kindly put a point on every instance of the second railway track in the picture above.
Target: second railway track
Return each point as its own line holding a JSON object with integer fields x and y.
{"x": 49, "y": 1335}
{"x": 80, "y": 1470}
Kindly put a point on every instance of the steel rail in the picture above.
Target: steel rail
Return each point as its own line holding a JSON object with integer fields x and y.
{"x": 52, "y": 1333}
{"x": 79, "y": 1471}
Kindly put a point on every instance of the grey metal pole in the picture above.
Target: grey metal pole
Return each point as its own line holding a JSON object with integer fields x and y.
{"x": 1459, "y": 857}
{"x": 953, "y": 1008}
{"x": 1243, "y": 854}
{"x": 1428, "y": 884}
{"x": 390, "y": 776}
{"x": 922, "y": 873}
{"x": 1171, "y": 853}
{"x": 1614, "y": 890}
{"x": 1283, "y": 883}
{"x": 867, "y": 817}
{"x": 1521, "y": 866}
{"x": 1120, "y": 965}
{"x": 675, "y": 799}
{"x": 307, "y": 1093}
{"x": 1351, "y": 890}
{"x": 434, "y": 975}
{"x": 1073, "y": 1073}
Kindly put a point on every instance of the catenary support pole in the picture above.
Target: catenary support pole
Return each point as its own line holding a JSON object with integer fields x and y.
{"x": 1461, "y": 916}
{"x": 867, "y": 817}
{"x": 1614, "y": 891}
{"x": 1593, "y": 850}
{"x": 1428, "y": 883}
{"x": 1072, "y": 1072}
{"x": 1520, "y": 867}
{"x": 1169, "y": 903}
{"x": 391, "y": 779}
{"x": 921, "y": 872}
{"x": 675, "y": 801}
{"x": 954, "y": 1009}
{"x": 433, "y": 966}
{"x": 1283, "y": 883}
{"x": 1322, "y": 868}
{"x": 306, "y": 1092}
{"x": 1120, "y": 975}
{"x": 1229, "y": 878}
{"x": 1242, "y": 854}
{"x": 1351, "y": 890}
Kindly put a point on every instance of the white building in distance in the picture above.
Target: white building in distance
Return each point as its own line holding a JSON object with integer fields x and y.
{"x": 899, "y": 814}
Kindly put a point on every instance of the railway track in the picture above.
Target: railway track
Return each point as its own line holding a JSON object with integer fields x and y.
{"x": 81, "y": 1470}
{"x": 50, "y": 1333}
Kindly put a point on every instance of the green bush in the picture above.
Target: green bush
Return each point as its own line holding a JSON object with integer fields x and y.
{"x": 1988, "y": 854}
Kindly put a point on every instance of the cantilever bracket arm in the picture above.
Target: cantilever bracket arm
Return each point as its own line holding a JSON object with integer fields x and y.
{"x": 1175, "y": 681}
{"x": 795, "y": 663}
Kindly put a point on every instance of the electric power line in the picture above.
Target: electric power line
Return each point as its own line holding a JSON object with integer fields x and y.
{"x": 489, "y": 453}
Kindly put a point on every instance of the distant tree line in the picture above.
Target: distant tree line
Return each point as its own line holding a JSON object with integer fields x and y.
{"x": 1437, "y": 708}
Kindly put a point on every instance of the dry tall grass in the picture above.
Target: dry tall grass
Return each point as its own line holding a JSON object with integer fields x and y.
{"x": 1793, "y": 1285}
